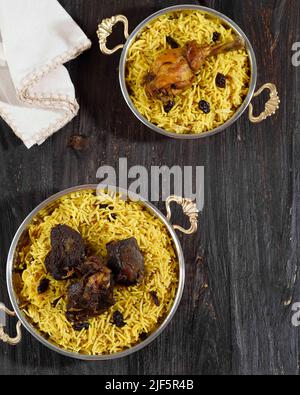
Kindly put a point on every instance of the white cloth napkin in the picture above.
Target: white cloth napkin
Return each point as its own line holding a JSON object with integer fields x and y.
{"x": 37, "y": 97}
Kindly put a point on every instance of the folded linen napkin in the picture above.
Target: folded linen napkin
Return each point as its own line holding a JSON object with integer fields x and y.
{"x": 37, "y": 97}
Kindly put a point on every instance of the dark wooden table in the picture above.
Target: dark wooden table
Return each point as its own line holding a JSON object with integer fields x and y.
{"x": 247, "y": 248}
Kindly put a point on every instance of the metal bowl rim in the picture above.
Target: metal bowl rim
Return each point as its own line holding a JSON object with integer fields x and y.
{"x": 30, "y": 328}
{"x": 239, "y": 112}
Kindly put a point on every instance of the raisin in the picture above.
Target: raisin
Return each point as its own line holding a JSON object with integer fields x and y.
{"x": 143, "y": 336}
{"x": 44, "y": 286}
{"x": 168, "y": 107}
{"x": 118, "y": 319}
{"x": 221, "y": 80}
{"x": 216, "y": 37}
{"x": 112, "y": 217}
{"x": 81, "y": 325}
{"x": 173, "y": 43}
{"x": 204, "y": 106}
{"x": 155, "y": 298}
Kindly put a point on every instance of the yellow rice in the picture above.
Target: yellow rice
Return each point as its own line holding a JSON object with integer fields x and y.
{"x": 186, "y": 117}
{"x": 82, "y": 212}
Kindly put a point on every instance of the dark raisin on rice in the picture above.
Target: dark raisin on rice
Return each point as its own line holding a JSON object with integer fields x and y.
{"x": 168, "y": 107}
{"x": 143, "y": 336}
{"x": 44, "y": 286}
{"x": 204, "y": 106}
{"x": 81, "y": 325}
{"x": 216, "y": 37}
{"x": 112, "y": 217}
{"x": 118, "y": 319}
{"x": 221, "y": 80}
{"x": 155, "y": 298}
{"x": 173, "y": 43}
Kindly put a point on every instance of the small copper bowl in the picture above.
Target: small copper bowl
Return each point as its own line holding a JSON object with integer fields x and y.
{"x": 105, "y": 29}
{"x": 189, "y": 209}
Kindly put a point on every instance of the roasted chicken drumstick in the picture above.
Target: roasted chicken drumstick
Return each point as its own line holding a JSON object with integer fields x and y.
{"x": 175, "y": 69}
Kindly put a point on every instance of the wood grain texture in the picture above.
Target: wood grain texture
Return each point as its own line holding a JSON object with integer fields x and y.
{"x": 247, "y": 249}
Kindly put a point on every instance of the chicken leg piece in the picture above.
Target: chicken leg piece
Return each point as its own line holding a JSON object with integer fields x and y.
{"x": 196, "y": 54}
{"x": 175, "y": 69}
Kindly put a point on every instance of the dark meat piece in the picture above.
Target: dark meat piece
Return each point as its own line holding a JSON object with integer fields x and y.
{"x": 68, "y": 252}
{"x": 118, "y": 319}
{"x": 91, "y": 265}
{"x": 44, "y": 286}
{"x": 91, "y": 296}
{"x": 126, "y": 261}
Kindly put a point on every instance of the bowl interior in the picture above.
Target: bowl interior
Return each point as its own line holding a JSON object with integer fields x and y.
{"x": 13, "y": 286}
{"x": 225, "y": 20}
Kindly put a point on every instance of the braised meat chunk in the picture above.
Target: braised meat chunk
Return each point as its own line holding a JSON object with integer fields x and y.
{"x": 67, "y": 252}
{"x": 90, "y": 265}
{"x": 91, "y": 296}
{"x": 126, "y": 261}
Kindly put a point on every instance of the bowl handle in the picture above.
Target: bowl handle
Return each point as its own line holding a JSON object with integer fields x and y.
{"x": 271, "y": 107}
{"x": 12, "y": 341}
{"x": 189, "y": 208}
{"x": 105, "y": 29}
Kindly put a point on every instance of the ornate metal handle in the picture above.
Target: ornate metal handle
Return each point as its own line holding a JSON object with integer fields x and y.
{"x": 105, "y": 29}
{"x": 271, "y": 106}
{"x": 189, "y": 209}
{"x": 13, "y": 341}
